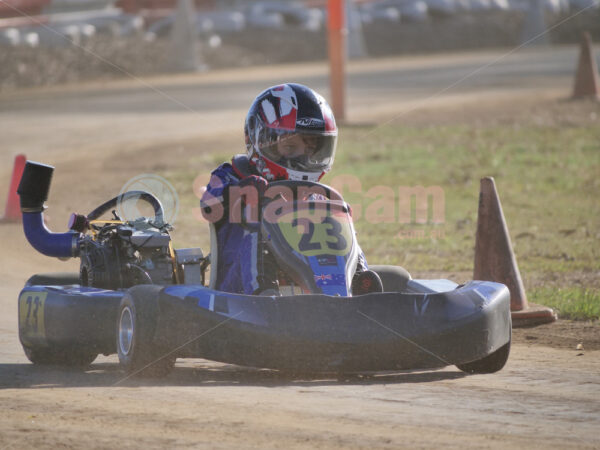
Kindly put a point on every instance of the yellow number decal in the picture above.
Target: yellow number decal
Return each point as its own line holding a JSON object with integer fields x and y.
{"x": 31, "y": 314}
{"x": 310, "y": 238}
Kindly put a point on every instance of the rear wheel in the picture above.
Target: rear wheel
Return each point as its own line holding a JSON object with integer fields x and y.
{"x": 60, "y": 356}
{"x": 53, "y": 279}
{"x": 490, "y": 364}
{"x": 140, "y": 350}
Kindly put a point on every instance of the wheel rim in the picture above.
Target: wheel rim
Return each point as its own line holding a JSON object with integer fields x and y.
{"x": 126, "y": 330}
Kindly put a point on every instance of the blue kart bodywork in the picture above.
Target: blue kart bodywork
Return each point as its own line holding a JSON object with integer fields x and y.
{"x": 433, "y": 323}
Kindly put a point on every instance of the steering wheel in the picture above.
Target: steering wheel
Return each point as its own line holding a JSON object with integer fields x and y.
{"x": 282, "y": 187}
{"x": 312, "y": 188}
{"x": 159, "y": 213}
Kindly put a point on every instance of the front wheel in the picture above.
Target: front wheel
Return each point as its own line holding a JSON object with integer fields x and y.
{"x": 140, "y": 352}
{"x": 490, "y": 364}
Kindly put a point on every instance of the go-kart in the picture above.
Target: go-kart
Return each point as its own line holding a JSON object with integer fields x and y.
{"x": 137, "y": 296}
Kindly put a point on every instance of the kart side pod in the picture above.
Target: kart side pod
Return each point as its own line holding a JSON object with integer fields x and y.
{"x": 33, "y": 190}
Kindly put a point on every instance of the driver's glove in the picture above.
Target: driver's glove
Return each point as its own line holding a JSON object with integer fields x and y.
{"x": 259, "y": 183}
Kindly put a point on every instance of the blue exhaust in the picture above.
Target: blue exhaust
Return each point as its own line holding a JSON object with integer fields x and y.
{"x": 33, "y": 190}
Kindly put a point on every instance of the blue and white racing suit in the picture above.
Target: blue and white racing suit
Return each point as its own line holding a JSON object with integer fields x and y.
{"x": 238, "y": 262}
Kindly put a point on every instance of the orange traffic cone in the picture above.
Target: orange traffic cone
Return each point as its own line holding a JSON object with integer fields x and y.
{"x": 12, "y": 212}
{"x": 495, "y": 259}
{"x": 587, "y": 84}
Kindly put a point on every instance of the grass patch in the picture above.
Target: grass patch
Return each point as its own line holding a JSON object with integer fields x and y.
{"x": 547, "y": 178}
{"x": 570, "y": 303}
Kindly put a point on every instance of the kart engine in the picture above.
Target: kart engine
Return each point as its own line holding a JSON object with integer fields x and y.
{"x": 115, "y": 254}
{"x": 121, "y": 255}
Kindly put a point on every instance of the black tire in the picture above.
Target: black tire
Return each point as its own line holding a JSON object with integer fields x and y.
{"x": 394, "y": 278}
{"x": 141, "y": 352}
{"x": 53, "y": 279}
{"x": 72, "y": 357}
{"x": 366, "y": 282}
{"x": 490, "y": 364}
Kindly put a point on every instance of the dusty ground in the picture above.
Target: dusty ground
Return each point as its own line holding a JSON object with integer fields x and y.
{"x": 546, "y": 396}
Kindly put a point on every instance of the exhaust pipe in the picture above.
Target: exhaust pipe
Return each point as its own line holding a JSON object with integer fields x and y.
{"x": 33, "y": 190}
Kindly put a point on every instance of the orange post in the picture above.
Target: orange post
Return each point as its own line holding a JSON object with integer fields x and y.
{"x": 13, "y": 207}
{"x": 337, "y": 56}
{"x": 587, "y": 83}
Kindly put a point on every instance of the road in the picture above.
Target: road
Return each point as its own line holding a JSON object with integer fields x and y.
{"x": 544, "y": 398}
{"x": 165, "y": 108}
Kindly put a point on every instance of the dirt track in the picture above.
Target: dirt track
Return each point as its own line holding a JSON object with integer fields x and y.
{"x": 545, "y": 397}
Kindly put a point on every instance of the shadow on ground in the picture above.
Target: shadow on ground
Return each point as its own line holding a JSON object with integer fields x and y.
{"x": 25, "y": 376}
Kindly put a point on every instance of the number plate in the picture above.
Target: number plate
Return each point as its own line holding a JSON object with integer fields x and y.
{"x": 309, "y": 237}
{"x": 31, "y": 315}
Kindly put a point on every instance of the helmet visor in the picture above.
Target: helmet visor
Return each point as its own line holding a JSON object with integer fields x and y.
{"x": 304, "y": 152}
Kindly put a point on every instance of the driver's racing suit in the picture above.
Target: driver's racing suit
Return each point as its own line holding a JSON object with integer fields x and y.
{"x": 239, "y": 259}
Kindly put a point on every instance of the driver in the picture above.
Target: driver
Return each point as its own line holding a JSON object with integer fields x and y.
{"x": 290, "y": 134}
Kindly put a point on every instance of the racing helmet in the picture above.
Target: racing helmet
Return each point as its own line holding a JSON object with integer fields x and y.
{"x": 290, "y": 133}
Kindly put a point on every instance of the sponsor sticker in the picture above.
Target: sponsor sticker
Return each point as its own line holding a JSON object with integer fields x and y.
{"x": 309, "y": 122}
{"x": 327, "y": 260}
